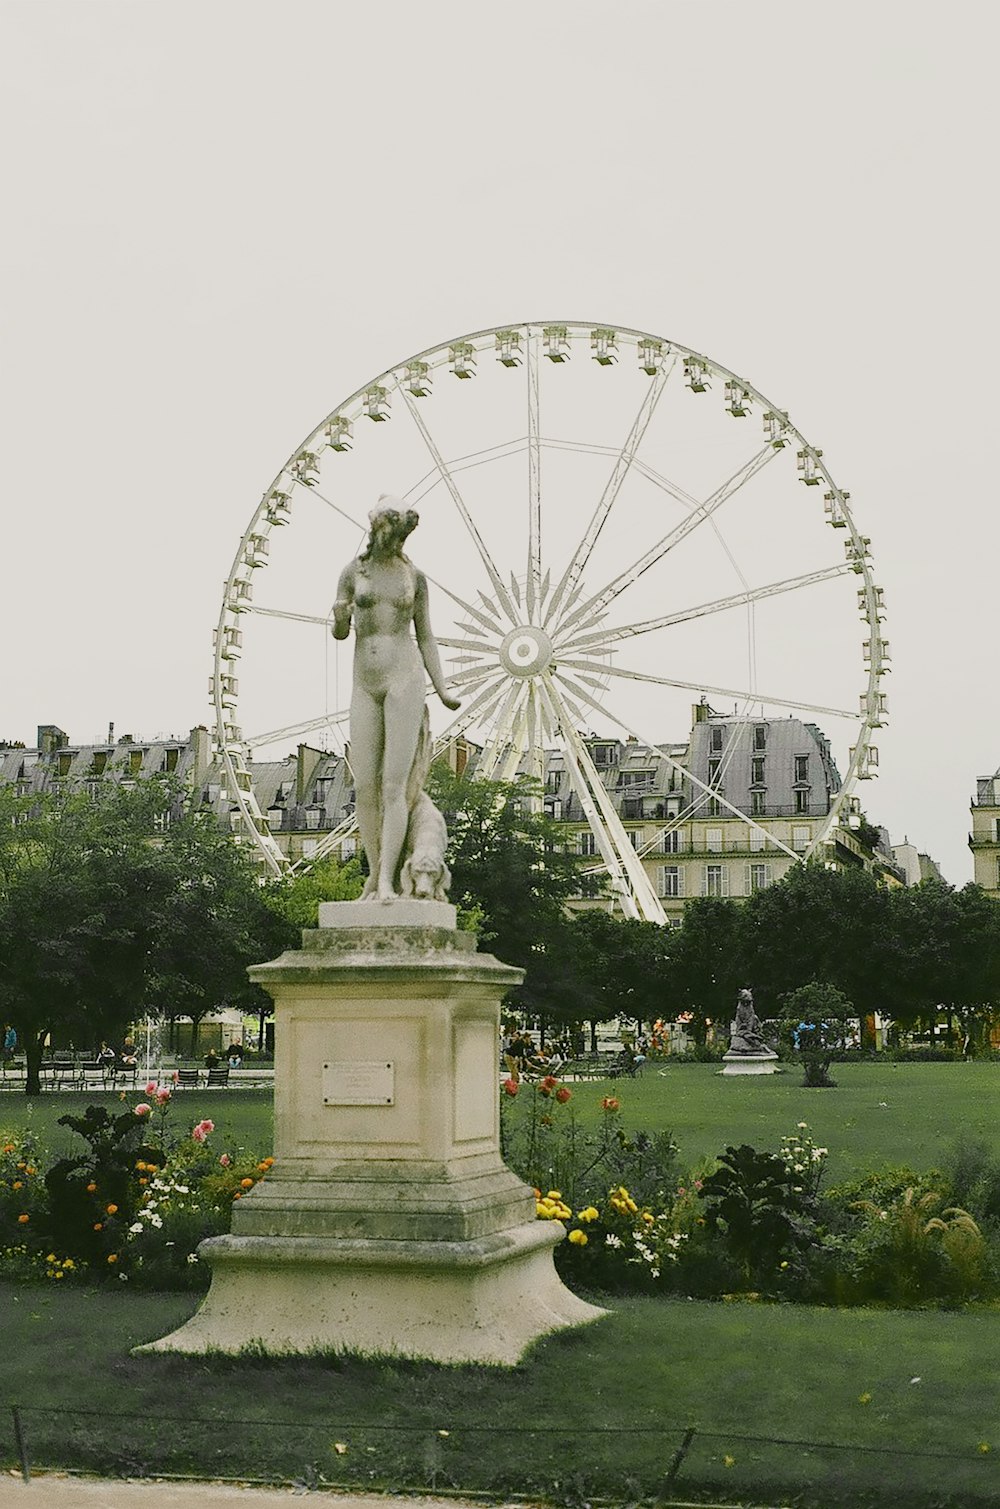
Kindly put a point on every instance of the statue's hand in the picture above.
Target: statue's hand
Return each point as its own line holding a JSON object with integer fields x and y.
{"x": 451, "y": 703}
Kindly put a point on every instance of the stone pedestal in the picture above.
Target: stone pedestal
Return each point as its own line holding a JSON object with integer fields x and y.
{"x": 764, "y": 1062}
{"x": 389, "y": 1222}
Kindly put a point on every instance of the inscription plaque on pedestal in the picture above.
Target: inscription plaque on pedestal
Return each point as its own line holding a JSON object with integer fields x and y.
{"x": 359, "y": 1083}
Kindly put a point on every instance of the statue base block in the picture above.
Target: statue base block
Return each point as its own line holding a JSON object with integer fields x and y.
{"x": 750, "y": 1063}
{"x": 389, "y": 1224}
{"x": 479, "y": 1301}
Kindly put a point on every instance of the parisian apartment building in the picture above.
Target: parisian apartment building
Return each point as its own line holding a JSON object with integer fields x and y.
{"x": 724, "y": 813}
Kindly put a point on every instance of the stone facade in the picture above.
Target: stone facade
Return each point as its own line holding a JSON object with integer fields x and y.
{"x": 984, "y": 840}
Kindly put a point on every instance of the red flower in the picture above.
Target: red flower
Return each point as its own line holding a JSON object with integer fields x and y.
{"x": 549, "y": 1082}
{"x": 510, "y": 1086}
{"x": 562, "y": 1095}
{"x": 610, "y": 1103}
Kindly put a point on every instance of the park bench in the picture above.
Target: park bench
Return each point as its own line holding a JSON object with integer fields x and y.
{"x": 218, "y": 1079}
{"x": 188, "y": 1079}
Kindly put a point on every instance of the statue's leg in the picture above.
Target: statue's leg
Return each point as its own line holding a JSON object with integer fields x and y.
{"x": 367, "y": 739}
{"x": 403, "y": 714}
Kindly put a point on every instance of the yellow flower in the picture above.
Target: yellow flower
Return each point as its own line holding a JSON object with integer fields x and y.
{"x": 648, "y": 1217}
{"x": 578, "y": 1238}
{"x": 58, "y": 1273}
{"x": 554, "y": 1194}
{"x": 51, "y": 1258}
{"x": 18, "y": 1184}
{"x": 864, "y": 1398}
{"x": 729, "y": 1461}
{"x": 984, "y": 1447}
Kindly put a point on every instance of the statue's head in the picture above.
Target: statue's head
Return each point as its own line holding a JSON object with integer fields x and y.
{"x": 391, "y": 522}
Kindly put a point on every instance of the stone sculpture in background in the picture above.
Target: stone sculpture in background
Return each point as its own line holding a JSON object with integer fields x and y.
{"x": 386, "y": 597}
{"x": 748, "y": 1051}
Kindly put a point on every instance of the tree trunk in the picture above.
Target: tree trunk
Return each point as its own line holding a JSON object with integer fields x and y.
{"x": 33, "y": 1044}
{"x": 593, "y": 1036}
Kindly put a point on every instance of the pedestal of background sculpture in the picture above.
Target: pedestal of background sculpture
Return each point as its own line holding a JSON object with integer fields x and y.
{"x": 389, "y": 1222}
{"x": 764, "y": 1062}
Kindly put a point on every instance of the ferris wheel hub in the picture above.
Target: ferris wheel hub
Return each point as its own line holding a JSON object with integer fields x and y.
{"x": 526, "y": 651}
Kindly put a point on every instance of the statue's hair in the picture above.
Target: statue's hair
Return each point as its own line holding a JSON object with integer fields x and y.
{"x": 386, "y": 504}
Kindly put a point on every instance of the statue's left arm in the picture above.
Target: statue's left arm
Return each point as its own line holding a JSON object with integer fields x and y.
{"x": 427, "y": 642}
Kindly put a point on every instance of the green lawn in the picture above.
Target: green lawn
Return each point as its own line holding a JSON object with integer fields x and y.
{"x": 882, "y": 1113}
{"x": 598, "y": 1410}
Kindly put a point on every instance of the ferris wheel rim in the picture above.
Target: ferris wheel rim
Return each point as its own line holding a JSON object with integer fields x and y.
{"x": 231, "y": 749}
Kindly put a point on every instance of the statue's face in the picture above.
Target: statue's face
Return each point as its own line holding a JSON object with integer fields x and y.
{"x": 391, "y": 526}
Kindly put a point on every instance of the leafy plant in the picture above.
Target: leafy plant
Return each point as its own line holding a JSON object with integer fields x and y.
{"x": 756, "y": 1209}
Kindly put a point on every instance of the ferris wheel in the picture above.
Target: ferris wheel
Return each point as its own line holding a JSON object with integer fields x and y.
{"x": 612, "y": 524}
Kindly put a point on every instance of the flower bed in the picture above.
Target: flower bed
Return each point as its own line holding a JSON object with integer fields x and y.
{"x": 132, "y": 1206}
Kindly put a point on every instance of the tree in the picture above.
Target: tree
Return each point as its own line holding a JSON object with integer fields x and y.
{"x": 946, "y": 954}
{"x": 621, "y": 967}
{"x": 297, "y": 898}
{"x": 706, "y": 967}
{"x": 212, "y": 922}
{"x": 819, "y": 924}
{"x": 102, "y": 920}
{"x": 80, "y": 887}
{"x": 815, "y": 1023}
{"x": 507, "y": 860}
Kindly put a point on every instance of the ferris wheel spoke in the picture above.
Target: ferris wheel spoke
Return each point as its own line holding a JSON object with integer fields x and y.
{"x": 740, "y": 693}
{"x": 327, "y": 843}
{"x": 427, "y": 483}
{"x": 472, "y": 673}
{"x": 604, "y": 638}
{"x": 534, "y": 572}
{"x": 503, "y": 731}
{"x": 359, "y": 524}
{"x": 699, "y": 515}
{"x": 290, "y": 730}
{"x": 625, "y": 867}
{"x": 619, "y": 472}
{"x": 304, "y": 618}
{"x": 481, "y": 706}
{"x": 470, "y": 646}
{"x": 463, "y": 512}
{"x": 709, "y": 792}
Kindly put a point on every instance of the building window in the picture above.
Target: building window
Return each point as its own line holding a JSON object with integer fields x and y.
{"x": 605, "y": 755}
{"x": 673, "y": 806}
{"x": 671, "y": 841}
{"x": 802, "y": 767}
{"x": 348, "y": 849}
{"x": 758, "y": 878}
{"x": 586, "y": 842}
{"x": 714, "y": 766}
{"x": 716, "y": 738}
{"x": 635, "y": 837}
{"x": 309, "y": 847}
{"x": 758, "y": 840}
{"x": 757, "y": 800}
{"x": 802, "y": 797}
{"x": 713, "y": 840}
{"x": 760, "y": 736}
{"x": 714, "y": 807}
{"x": 757, "y": 770}
{"x": 800, "y": 839}
{"x": 135, "y": 761}
{"x": 715, "y": 881}
{"x": 670, "y": 881}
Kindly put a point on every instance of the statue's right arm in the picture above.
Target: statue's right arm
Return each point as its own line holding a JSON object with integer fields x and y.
{"x": 344, "y": 606}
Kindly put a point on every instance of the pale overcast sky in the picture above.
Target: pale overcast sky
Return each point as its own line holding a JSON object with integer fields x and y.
{"x": 220, "y": 219}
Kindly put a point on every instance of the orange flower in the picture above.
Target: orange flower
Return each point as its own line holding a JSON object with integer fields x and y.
{"x": 91, "y": 1188}
{"x": 610, "y": 1103}
{"x": 112, "y": 1257}
{"x": 18, "y": 1184}
{"x": 246, "y": 1184}
{"x": 143, "y": 1181}
{"x": 22, "y": 1220}
{"x": 98, "y": 1225}
{"x": 562, "y": 1094}
{"x": 112, "y": 1210}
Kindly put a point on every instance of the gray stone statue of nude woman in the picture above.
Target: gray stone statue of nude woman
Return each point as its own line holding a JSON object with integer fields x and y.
{"x": 385, "y": 594}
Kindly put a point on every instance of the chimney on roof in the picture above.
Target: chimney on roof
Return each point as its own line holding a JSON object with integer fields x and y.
{"x": 111, "y": 733}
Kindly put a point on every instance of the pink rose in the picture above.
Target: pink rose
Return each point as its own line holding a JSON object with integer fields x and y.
{"x": 207, "y": 1126}
{"x": 142, "y": 1109}
{"x": 162, "y": 1096}
{"x": 151, "y": 1088}
{"x": 197, "y": 1134}
{"x": 225, "y": 1160}
{"x": 510, "y": 1086}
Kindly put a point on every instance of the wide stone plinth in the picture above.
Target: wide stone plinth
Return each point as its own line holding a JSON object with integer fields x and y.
{"x": 389, "y": 1222}
{"x": 750, "y": 1063}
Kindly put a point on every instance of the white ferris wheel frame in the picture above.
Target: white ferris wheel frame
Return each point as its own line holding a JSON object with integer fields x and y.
{"x": 532, "y": 649}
